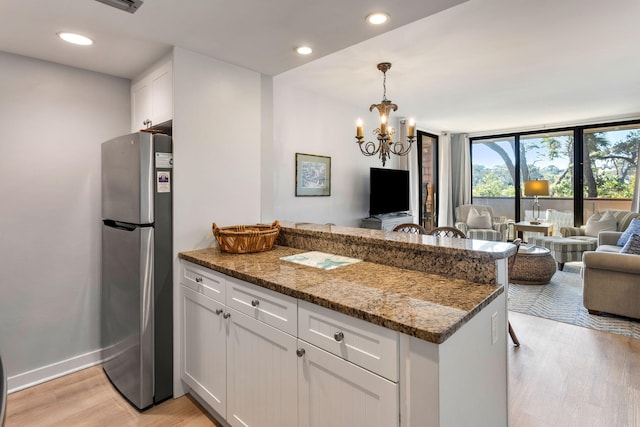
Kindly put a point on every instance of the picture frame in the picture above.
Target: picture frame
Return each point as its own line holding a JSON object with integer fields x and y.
{"x": 313, "y": 175}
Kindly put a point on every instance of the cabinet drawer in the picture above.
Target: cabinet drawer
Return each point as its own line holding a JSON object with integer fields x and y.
{"x": 272, "y": 308}
{"x": 367, "y": 345}
{"x": 204, "y": 281}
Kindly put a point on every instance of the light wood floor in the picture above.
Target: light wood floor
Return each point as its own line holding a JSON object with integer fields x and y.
{"x": 561, "y": 375}
{"x": 87, "y": 398}
{"x": 565, "y": 375}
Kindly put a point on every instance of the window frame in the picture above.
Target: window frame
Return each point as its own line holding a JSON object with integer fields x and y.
{"x": 578, "y": 152}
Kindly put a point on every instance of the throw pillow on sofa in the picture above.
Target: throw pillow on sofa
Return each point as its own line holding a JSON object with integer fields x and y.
{"x": 632, "y": 246}
{"x": 477, "y": 219}
{"x": 597, "y": 223}
{"x": 633, "y": 228}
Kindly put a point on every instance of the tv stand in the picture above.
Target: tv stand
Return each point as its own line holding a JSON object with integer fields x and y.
{"x": 386, "y": 222}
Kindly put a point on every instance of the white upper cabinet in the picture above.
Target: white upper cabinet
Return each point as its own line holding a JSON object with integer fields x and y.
{"x": 152, "y": 96}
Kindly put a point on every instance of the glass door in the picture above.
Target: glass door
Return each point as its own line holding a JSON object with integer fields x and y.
{"x": 428, "y": 167}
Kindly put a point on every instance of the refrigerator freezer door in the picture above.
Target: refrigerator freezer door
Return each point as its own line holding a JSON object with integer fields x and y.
{"x": 127, "y": 314}
{"x": 128, "y": 179}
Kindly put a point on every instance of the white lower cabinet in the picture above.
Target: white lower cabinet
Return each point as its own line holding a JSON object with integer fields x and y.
{"x": 334, "y": 392}
{"x": 253, "y": 369}
{"x": 204, "y": 357}
{"x": 259, "y": 358}
{"x": 261, "y": 374}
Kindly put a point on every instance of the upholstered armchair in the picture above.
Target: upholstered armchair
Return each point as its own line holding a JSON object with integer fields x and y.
{"x": 478, "y": 222}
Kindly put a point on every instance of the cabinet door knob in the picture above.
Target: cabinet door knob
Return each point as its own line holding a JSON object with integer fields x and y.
{"x": 338, "y": 336}
{"x": 226, "y": 315}
{"x": 255, "y": 302}
{"x": 300, "y": 352}
{"x": 219, "y": 311}
{"x": 198, "y": 279}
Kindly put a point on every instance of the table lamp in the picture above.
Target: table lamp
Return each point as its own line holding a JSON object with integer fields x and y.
{"x": 535, "y": 188}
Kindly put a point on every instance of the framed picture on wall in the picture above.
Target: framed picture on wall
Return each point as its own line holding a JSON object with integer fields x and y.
{"x": 313, "y": 175}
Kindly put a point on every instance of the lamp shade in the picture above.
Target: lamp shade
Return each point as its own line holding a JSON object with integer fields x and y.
{"x": 536, "y": 188}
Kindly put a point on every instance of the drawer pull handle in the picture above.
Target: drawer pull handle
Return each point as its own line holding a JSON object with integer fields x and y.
{"x": 338, "y": 336}
{"x": 198, "y": 279}
{"x": 255, "y": 302}
{"x": 219, "y": 311}
{"x": 226, "y": 315}
{"x": 300, "y": 352}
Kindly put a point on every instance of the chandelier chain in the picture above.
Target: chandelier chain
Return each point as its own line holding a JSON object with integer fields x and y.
{"x": 384, "y": 86}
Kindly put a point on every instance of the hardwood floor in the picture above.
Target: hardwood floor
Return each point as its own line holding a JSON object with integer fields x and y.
{"x": 561, "y": 375}
{"x": 565, "y": 375}
{"x": 87, "y": 398}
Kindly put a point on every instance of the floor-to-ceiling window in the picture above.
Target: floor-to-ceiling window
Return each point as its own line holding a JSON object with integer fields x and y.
{"x": 548, "y": 157}
{"x": 493, "y": 176}
{"x": 606, "y": 169}
{"x": 610, "y": 163}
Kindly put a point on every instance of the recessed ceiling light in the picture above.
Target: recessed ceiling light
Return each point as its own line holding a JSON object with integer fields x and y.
{"x": 75, "y": 39}
{"x": 377, "y": 18}
{"x": 304, "y": 50}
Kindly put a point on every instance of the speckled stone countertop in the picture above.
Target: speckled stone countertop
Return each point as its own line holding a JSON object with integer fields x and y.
{"x": 468, "y": 259}
{"x": 428, "y": 306}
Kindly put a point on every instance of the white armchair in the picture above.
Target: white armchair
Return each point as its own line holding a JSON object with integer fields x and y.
{"x": 478, "y": 222}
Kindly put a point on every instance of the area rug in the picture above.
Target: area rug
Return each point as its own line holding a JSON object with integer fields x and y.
{"x": 561, "y": 300}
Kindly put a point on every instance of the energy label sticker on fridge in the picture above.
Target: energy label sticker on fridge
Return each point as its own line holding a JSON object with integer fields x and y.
{"x": 163, "y": 182}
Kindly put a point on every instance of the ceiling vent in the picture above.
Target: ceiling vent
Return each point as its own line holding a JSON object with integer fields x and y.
{"x": 127, "y": 5}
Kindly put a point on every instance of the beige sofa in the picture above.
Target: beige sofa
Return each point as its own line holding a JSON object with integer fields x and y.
{"x": 611, "y": 280}
{"x": 623, "y": 219}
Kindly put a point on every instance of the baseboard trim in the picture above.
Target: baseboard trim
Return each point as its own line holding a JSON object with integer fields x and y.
{"x": 53, "y": 371}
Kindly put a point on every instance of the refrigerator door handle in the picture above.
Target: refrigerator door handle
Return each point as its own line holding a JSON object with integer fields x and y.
{"x": 119, "y": 225}
{"x": 146, "y": 311}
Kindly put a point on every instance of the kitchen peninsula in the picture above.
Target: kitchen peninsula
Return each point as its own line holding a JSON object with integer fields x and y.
{"x": 413, "y": 335}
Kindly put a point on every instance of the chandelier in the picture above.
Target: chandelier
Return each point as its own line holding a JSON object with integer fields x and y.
{"x": 385, "y": 145}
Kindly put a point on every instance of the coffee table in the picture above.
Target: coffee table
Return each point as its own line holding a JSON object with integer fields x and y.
{"x": 520, "y": 227}
{"x": 534, "y": 265}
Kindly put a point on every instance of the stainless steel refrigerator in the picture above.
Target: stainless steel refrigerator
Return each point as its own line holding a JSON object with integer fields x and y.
{"x": 136, "y": 303}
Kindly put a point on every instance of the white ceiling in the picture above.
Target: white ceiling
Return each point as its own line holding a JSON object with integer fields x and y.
{"x": 481, "y": 65}
{"x": 257, "y": 34}
{"x": 489, "y": 65}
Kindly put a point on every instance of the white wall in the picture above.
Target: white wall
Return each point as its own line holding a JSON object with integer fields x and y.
{"x": 216, "y": 130}
{"x": 53, "y": 119}
{"x": 266, "y": 164}
{"x": 306, "y": 122}
{"x": 216, "y": 146}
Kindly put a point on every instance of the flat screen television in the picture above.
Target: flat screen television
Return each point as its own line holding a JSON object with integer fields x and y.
{"x": 389, "y": 191}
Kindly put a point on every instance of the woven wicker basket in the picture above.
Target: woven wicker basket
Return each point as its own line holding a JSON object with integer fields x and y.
{"x": 242, "y": 239}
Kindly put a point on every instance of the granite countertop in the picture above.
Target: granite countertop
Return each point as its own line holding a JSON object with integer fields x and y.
{"x": 428, "y": 306}
{"x": 468, "y": 259}
{"x": 474, "y": 248}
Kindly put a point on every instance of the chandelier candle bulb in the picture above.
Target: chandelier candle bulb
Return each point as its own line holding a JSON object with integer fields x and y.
{"x": 359, "y": 132}
{"x": 412, "y": 127}
{"x": 383, "y": 124}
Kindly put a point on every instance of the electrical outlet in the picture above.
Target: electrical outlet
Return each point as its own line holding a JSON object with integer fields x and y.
{"x": 494, "y": 328}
